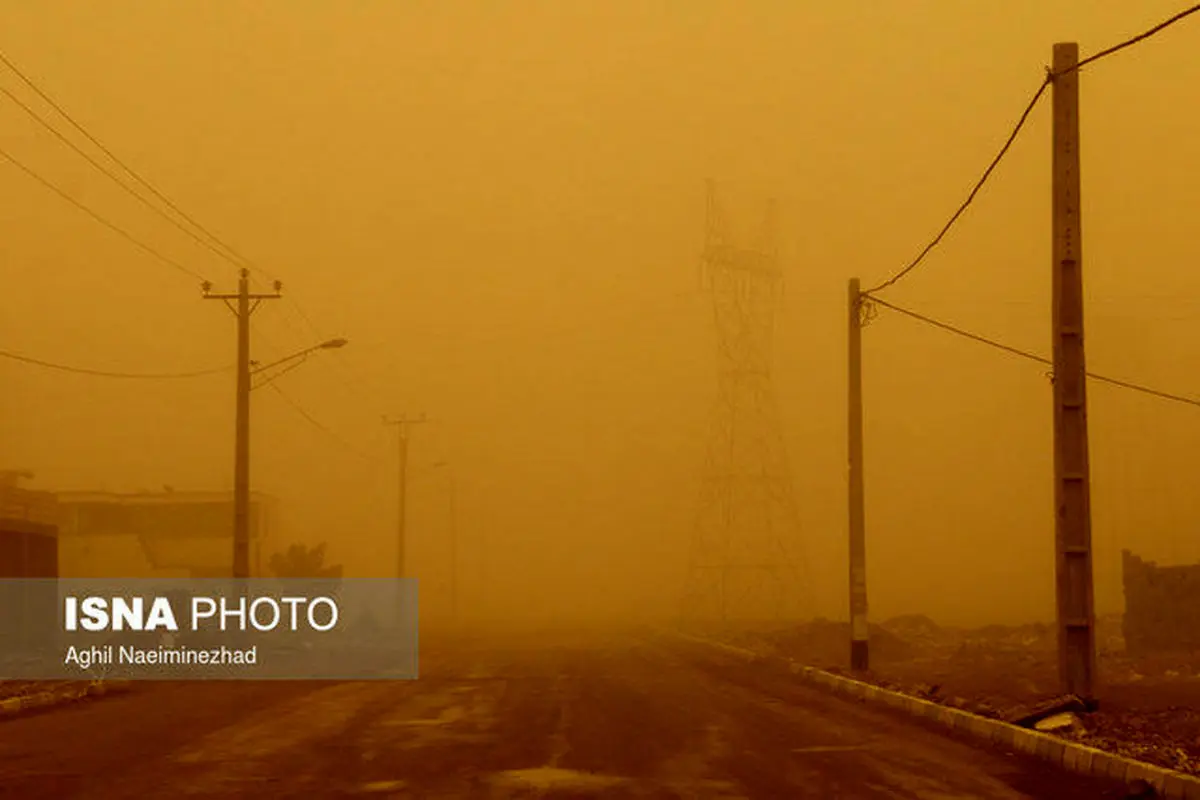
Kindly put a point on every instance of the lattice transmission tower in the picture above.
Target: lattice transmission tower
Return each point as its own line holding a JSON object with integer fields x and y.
{"x": 746, "y": 562}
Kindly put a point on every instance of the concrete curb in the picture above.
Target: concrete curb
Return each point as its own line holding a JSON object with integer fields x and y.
{"x": 25, "y": 704}
{"x": 1074, "y": 757}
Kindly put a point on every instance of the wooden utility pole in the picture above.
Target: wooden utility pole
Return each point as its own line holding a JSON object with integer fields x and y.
{"x": 402, "y": 424}
{"x": 1072, "y": 493}
{"x": 241, "y": 466}
{"x": 859, "y": 658}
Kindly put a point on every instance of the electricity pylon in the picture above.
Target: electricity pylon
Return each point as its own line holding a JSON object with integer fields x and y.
{"x": 746, "y": 563}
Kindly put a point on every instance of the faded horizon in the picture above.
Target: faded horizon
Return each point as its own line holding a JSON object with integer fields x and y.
{"x": 502, "y": 209}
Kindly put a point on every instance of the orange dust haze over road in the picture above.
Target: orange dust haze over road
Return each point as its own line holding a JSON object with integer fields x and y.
{"x": 561, "y": 715}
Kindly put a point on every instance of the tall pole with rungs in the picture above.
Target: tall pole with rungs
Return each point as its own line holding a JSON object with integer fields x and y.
{"x": 1072, "y": 493}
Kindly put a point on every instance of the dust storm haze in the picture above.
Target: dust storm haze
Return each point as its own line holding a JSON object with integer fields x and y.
{"x": 501, "y": 207}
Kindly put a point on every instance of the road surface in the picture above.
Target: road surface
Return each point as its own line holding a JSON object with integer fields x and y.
{"x": 583, "y": 717}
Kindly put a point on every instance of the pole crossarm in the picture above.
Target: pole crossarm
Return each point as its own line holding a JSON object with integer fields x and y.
{"x": 403, "y": 421}
{"x": 243, "y": 294}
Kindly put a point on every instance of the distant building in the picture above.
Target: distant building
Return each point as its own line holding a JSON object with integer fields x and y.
{"x": 28, "y": 549}
{"x": 1160, "y": 607}
{"x": 169, "y": 534}
{"x": 28, "y": 535}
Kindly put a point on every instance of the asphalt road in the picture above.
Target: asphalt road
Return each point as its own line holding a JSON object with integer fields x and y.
{"x": 582, "y": 717}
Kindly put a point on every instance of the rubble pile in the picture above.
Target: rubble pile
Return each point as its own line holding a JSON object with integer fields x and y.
{"x": 919, "y": 630}
{"x": 1110, "y": 634}
{"x": 824, "y": 643}
{"x": 1169, "y": 738}
{"x": 1149, "y": 705}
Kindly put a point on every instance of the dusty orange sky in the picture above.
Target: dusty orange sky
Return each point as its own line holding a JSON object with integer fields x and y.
{"x": 500, "y": 205}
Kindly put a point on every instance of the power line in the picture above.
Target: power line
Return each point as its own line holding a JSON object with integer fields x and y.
{"x": 1027, "y": 354}
{"x": 357, "y": 395}
{"x": 300, "y": 409}
{"x": 110, "y": 225}
{"x": 232, "y": 254}
{"x": 59, "y": 135}
{"x": 229, "y": 253}
{"x": 1016, "y": 130}
{"x": 220, "y": 248}
{"x": 317, "y": 423}
{"x": 106, "y": 374}
{"x": 957, "y": 331}
{"x": 974, "y": 191}
{"x": 1140, "y": 37}
{"x": 1144, "y": 389}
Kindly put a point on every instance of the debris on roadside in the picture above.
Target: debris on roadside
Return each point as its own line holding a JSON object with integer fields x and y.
{"x": 1030, "y": 716}
{"x": 21, "y": 688}
{"x": 1057, "y": 722}
{"x": 1150, "y": 704}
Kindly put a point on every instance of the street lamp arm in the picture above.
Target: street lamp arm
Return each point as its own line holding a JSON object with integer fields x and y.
{"x": 332, "y": 344}
{"x": 264, "y": 367}
{"x": 272, "y": 378}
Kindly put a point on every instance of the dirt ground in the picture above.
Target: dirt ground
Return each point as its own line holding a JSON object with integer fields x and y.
{"x": 1149, "y": 708}
{"x": 20, "y": 688}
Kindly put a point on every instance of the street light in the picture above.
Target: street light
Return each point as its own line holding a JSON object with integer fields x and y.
{"x": 302, "y": 355}
{"x": 241, "y": 489}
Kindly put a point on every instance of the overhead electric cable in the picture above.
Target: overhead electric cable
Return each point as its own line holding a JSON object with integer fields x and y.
{"x": 103, "y": 221}
{"x": 108, "y": 374}
{"x": 974, "y": 191}
{"x": 233, "y": 254}
{"x": 109, "y": 174}
{"x": 217, "y": 245}
{"x": 1028, "y": 355}
{"x": 317, "y": 423}
{"x": 1016, "y": 130}
{"x": 1108, "y": 51}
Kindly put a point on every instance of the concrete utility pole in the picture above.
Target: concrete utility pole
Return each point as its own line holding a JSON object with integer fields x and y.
{"x": 241, "y": 467}
{"x": 454, "y": 548}
{"x": 402, "y": 424}
{"x": 483, "y": 571}
{"x": 859, "y": 658}
{"x": 1072, "y": 493}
